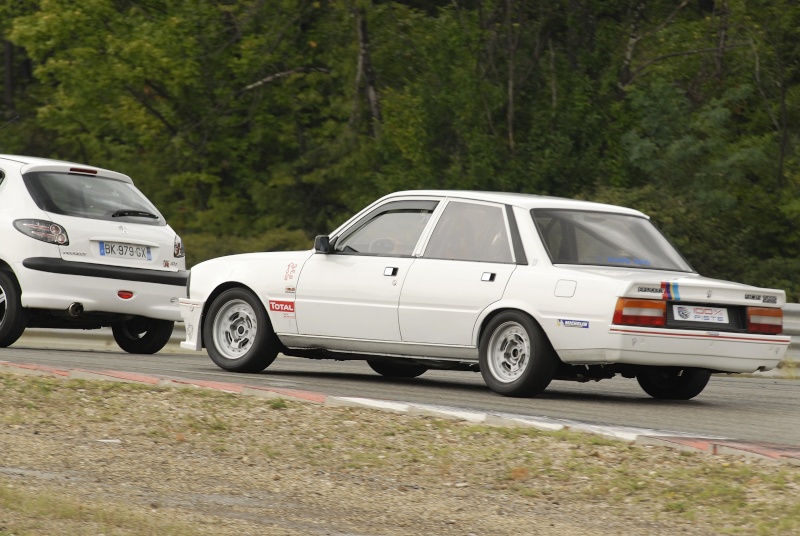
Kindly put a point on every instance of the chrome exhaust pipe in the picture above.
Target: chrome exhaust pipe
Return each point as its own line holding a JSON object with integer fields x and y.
{"x": 75, "y": 309}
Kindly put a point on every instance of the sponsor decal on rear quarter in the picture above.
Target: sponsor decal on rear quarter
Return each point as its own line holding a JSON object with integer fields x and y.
{"x": 573, "y": 323}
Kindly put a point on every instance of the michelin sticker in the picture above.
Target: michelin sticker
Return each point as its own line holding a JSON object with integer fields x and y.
{"x": 573, "y": 323}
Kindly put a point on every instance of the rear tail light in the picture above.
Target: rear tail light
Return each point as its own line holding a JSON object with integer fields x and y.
{"x": 178, "y": 250}
{"x": 46, "y": 231}
{"x": 764, "y": 320}
{"x": 638, "y": 312}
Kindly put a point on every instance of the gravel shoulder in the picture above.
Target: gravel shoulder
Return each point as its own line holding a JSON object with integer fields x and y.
{"x": 93, "y": 457}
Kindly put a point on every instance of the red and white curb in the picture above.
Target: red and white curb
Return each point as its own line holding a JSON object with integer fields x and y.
{"x": 641, "y": 436}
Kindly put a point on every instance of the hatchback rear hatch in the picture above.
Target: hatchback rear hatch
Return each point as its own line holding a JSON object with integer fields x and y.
{"x": 102, "y": 218}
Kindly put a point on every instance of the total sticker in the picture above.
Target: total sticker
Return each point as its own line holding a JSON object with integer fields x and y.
{"x": 285, "y": 307}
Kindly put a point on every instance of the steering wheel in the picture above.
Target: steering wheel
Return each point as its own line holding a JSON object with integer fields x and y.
{"x": 382, "y": 245}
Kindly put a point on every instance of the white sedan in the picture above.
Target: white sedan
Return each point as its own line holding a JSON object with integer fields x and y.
{"x": 526, "y": 289}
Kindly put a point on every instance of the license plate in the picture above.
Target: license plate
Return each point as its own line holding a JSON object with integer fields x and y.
{"x": 697, "y": 313}
{"x": 126, "y": 251}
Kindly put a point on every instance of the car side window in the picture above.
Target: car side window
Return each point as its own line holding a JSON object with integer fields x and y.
{"x": 470, "y": 232}
{"x": 392, "y": 229}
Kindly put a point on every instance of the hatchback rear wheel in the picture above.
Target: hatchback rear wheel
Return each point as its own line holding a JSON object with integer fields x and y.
{"x": 13, "y": 317}
{"x": 141, "y": 335}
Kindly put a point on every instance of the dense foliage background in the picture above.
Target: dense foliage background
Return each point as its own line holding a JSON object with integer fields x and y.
{"x": 256, "y": 124}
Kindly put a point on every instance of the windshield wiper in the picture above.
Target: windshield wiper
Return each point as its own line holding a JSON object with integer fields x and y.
{"x": 136, "y": 213}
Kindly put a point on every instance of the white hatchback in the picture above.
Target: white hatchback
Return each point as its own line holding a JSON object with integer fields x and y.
{"x": 526, "y": 289}
{"x": 81, "y": 247}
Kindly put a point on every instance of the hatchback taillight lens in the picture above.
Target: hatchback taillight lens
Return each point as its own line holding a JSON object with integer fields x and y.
{"x": 46, "y": 231}
{"x": 764, "y": 320}
{"x": 178, "y": 249}
{"x": 638, "y": 312}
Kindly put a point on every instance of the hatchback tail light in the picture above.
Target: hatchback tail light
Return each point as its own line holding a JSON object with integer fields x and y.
{"x": 178, "y": 249}
{"x": 46, "y": 231}
{"x": 764, "y": 320}
{"x": 638, "y": 312}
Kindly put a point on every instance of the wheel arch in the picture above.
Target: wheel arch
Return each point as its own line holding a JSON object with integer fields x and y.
{"x": 502, "y": 307}
{"x": 5, "y": 267}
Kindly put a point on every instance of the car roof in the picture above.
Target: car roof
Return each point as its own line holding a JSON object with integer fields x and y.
{"x": 525, "y": 201}
{"x": 21, "y": 159}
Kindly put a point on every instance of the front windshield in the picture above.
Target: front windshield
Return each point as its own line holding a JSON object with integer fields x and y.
{"x": 606, "y": 239}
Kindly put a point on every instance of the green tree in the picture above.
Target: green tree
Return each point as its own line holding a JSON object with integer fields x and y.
{"x": 255, "y": 124}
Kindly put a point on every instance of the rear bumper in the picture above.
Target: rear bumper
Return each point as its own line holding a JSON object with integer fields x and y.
{"x": 84, "y": 269}
{"x": 51, "y": 285}
{"x": 718, "y": 351}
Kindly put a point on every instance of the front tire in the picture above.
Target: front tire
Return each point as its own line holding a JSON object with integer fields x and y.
{"x": 397, "y": 370}
{"x": 673, "y": 383}
{"x": 13, "y": 317}
{"x": 238, "y": 334}
{"x": 142, "y": 335}
{"x": 516, "y": 359}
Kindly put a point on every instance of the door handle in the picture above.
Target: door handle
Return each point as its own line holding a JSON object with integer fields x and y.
{"x": 488, "y": 276}
{"x": 390, "y": 271}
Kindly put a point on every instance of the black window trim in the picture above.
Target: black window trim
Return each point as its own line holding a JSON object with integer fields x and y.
{"x": 516, "y": 240}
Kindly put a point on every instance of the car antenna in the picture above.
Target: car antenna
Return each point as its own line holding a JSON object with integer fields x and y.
{"x": 9, "y": 122}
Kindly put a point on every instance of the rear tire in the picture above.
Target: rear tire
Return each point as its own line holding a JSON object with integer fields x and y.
{"x": 238, "y": 334}
{"x": 673, "y": 383}
{"x": 142, "y": 335}
{"x": 13, "y": 317}
{"x": 397, "y": 370}
{"x": 516, "y": 358}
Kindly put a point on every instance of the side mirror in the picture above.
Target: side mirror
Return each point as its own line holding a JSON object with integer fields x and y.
{"x": 322, "y": 244}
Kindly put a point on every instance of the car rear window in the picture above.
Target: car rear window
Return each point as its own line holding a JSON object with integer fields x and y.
{"x": 91, "y": 196}
{"x": 606, "y": 239}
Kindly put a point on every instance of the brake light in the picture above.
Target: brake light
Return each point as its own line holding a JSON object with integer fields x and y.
{"x": 46, "y": 231}
{"x": 83, "y": 170}
{"x": 765, "y": 320}
{"x": 125, "y": 294}
{"x": 638, "y": 312}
